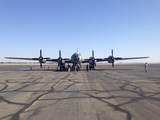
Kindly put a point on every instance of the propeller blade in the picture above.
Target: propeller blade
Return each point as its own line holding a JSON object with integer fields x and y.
{"x": 92, "y": 53}
{"x": 112, "y": 52}
{"x": 112, "y": 64}
{"x": 59, "y": 53}
{"x": 40, "y": 65}
{"x": 40, "y": 53}
{"x": 40, "y": 58}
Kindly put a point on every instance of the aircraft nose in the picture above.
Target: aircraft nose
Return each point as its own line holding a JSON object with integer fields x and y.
{"x": 76, "y": 58}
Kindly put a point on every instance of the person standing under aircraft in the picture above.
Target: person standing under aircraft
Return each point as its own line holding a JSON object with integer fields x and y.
{"x": 69, "y": 67}
{"x": 77, "y": 67}
{"x": 87, "y": 67}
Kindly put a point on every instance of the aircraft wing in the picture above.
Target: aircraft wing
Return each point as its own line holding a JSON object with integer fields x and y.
{"x": 101, "y": 59}
{"x": 108, "y": 59}
{"x": 21, "y": 58}
{"x": 67, "y": 60}
{"x": 85, "y": 61}
{"x": 97, "y": 60}
{"x": 53, "y": 60}
{"x": 120, "y": 58}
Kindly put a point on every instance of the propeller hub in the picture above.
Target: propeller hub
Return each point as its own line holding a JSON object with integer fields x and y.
{"x": 60, "y": 59}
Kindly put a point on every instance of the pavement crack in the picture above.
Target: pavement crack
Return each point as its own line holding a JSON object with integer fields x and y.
{"x": 16, "y": 116}
{"x": 10, "y": 102}
{"x": 116, "y": 107}
{"x": 5, "y": 86}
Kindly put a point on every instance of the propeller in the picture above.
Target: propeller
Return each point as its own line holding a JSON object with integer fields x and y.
{"x": 40, "y": 64}
{"x": 92, "y": 58}
{"x": 40, "y": 53}
{"x": 60, "y": 53}
{"x": 40, "y": 58}
{"x": 112, "y": 58}
{"x": 93, "y": 53}
{"x": 59, "y": 58}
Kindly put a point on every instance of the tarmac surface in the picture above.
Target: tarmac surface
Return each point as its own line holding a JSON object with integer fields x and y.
{"x": 125, "y": 92}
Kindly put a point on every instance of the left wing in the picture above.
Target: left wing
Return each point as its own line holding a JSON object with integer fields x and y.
{"x": 111, "y": 59}
{"x": 41, "y": 59}
{"x": 120, "y": 58}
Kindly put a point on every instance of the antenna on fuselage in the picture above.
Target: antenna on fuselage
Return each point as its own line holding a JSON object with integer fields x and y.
{"x": 77, "y": 50}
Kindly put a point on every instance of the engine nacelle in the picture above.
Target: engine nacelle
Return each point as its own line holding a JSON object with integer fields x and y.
{"x": 63, "y": 61}
{"x": 92, "y": 61}
{"x": 44, "y": 61}
{"x": 111, "y": 59}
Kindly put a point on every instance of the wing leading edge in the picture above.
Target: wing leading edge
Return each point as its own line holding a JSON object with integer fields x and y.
{"x": 21, "y": 58}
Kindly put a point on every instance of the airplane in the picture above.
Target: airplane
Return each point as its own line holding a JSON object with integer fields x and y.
{"x": 76, "y": 60}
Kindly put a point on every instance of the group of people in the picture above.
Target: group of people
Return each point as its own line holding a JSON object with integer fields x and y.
{"x": 87, "y": 67}
{"x": 75, "y": 68}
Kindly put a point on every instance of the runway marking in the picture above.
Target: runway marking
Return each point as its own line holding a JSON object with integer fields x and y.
{"x": 32, "y": 104}
{"x": 57, "y": 83}
{"x": 40, "y": 98}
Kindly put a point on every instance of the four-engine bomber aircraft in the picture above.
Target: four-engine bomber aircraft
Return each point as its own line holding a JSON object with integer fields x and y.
{"x": 76, "y": 60}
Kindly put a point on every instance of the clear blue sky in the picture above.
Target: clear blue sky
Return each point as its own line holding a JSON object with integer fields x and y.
{"x": 130, "y": 27}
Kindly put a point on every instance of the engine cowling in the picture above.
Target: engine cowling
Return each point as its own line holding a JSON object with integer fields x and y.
{"x": 92, "y": 61}
{"x": 44, "y": 61}
{"x": 111, "y": 59}
{"x": 63, "y": 61}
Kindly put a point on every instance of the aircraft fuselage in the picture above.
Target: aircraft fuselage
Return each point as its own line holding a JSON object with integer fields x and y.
{"x": 76, "y": 59}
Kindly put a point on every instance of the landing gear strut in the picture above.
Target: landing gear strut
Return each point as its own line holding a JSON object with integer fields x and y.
{"x": 61, "y": 67}
{"x": 91, "y": 67}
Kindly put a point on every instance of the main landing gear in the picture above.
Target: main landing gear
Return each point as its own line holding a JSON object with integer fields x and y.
{"x": 91, "y": 67}
{"x": 61, "y": 67}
